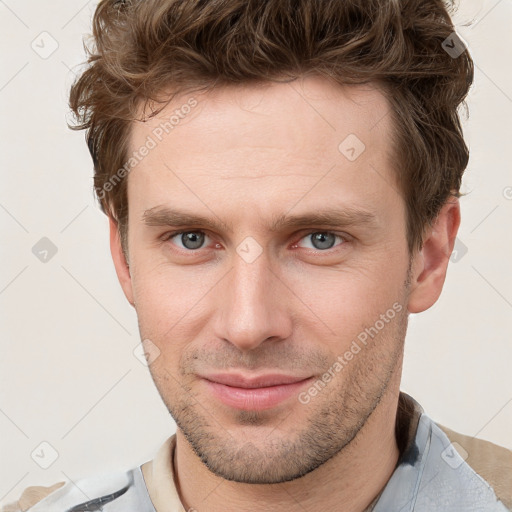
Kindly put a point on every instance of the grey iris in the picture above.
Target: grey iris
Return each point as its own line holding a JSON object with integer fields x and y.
{"x": 195, "y": 239}
{"x": 321, "y": 238}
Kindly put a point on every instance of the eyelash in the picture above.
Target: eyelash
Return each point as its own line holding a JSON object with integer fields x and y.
{"x": 344, "y": 237}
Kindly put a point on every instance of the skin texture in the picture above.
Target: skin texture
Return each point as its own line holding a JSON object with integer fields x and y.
{"x": 243, "y": 157}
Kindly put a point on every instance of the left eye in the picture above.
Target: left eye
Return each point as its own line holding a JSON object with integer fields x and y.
{"x": 322, "y": 240}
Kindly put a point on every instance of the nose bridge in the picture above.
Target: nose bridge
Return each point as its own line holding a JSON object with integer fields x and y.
{"x": 251, "y": 309}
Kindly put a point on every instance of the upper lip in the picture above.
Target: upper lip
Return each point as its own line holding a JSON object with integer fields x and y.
{"x": 241, "y": 381}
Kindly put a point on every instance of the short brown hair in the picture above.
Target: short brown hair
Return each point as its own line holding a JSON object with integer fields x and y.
{"x": 144, "y": 47}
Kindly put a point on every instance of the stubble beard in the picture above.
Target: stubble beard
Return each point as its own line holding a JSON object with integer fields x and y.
{"x": 335, "y": 417}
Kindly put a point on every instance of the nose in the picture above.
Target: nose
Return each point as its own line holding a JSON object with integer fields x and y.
{"x": 253, "y": 305}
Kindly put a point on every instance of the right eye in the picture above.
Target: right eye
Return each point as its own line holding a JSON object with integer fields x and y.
{"x": 190, "y": 240}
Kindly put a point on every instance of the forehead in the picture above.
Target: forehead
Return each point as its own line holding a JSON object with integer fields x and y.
{"x": 278, "y": 113}
{"x": 263, "y": 142}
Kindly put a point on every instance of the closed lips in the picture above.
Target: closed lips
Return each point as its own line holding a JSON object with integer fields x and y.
{"x": 262, "y": 381}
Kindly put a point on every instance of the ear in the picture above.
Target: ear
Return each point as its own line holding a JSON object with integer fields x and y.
{"x": 120, "y": 263}
{"x": 431, "y": 262}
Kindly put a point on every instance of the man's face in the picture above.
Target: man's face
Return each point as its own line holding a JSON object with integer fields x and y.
{"x": 250, "y": 295}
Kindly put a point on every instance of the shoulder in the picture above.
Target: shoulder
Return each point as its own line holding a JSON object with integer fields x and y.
{"x": 30, "y": 496}
{"x": 491, "y": 462}
{"x": 120, "y": 491}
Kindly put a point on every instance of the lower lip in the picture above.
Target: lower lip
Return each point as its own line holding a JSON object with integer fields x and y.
{"x": 254, "y": 399}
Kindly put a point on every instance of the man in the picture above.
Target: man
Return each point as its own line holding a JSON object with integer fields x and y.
{"x": 282, "y": 182}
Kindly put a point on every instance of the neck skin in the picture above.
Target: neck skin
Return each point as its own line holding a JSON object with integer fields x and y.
{"x": 348, "y": 481}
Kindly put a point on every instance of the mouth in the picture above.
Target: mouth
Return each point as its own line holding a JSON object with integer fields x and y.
{"x": 253, "y": 393}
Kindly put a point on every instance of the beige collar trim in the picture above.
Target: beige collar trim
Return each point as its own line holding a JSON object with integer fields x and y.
{"x": 159, "y": 478}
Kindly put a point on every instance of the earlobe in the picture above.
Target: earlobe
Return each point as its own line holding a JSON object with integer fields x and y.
{"x": 120, "y": 263}
{"x": 430, "y": 264}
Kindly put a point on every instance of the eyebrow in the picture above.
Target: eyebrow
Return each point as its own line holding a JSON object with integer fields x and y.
{"x": 331, "y": 217}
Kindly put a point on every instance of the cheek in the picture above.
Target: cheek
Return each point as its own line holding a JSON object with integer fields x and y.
{"x": 168, "y": 292}
{"x": 171, "y": 307}
{"x": 344, "y": 302}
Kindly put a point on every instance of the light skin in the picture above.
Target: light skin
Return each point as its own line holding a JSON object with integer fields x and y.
{"x": 244, "y": 158}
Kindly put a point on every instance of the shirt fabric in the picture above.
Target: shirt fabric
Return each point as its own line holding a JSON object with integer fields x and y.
{"x": 437, "y": 470}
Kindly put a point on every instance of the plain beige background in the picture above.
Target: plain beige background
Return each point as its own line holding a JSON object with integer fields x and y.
{"x": 68, "y": 373}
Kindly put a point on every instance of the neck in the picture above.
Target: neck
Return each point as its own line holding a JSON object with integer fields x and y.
{"x": 349, "y": 481}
